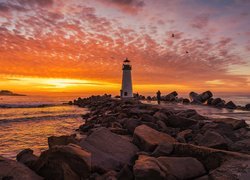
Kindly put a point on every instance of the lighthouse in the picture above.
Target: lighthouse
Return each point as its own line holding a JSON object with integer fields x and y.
{"x": 126, "y": 91}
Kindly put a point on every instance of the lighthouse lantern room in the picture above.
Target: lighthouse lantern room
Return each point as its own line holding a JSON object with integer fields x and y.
{"x": 126, "y": 91}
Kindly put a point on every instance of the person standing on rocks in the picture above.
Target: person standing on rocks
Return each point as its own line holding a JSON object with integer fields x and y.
{"x": 158, "y": 96}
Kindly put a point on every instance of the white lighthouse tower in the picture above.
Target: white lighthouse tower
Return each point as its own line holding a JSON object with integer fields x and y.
{"x": 126, "y": 91}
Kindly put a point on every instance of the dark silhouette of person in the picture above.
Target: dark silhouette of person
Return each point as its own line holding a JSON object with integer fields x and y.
{"x": 158, "y": 96}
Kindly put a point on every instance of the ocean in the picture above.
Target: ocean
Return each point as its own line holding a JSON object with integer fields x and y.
{"x": 27, "y": 122}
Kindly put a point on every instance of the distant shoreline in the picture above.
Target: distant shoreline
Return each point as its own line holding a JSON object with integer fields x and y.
{"x": 9, "y": 93}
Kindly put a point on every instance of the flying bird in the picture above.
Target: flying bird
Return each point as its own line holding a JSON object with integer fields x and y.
{"x": 172, "y": 35}
{"x": 186, "y": 52}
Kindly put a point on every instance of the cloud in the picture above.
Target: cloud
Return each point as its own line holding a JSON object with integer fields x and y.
{"x": 129, "y": 6}
{"x": 200, "y": 21}
{"x": 36, "y": 2}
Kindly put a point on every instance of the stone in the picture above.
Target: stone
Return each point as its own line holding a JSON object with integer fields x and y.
{"x": 147, "y": 168}
{"x": 130, "y": 124}
{"x": 61, "y": 140}
{"x": 181, "y": 167}
{"x": 236, "y": 124}
{"x": 205, "y": 96}
{"x": 161, "y": 125}
{"x": 218, "y": 102}
{"x": 213, "y": 140}
{"x": 111, "y": 175}
{"x": 185, "y": 101}
{"x": 12, "y": 170}
{"x": 64, "y": 162}
{"x": 185, "y": 135}
{"x": 209, "y": 101}
{"x": 171, "y": 96}
{"x": 119, "y": 131}
{"x": 126, "y": 173}
{"x": 163, "y": 149}
{"x": 148, "y": 118}
{"x": 187, "y": 113}
{"x": 230, "y": 105}
{"x": 109, "y": 151}
{"x": 160, "y": 116}
{"x": 147, "y": 138}
{"x": 247, "y": 106}
{"x": 180, "y": 122}
{"x": 27, "y": 157}
{"x": 241, "y": 146}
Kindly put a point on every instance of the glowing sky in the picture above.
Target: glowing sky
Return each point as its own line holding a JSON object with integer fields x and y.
{"x": 79, "y": 45}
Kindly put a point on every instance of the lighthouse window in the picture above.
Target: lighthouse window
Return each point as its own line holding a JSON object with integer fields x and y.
{"x": 125, "y": 93}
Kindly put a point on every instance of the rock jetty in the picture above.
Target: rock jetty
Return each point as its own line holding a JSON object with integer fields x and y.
{"x": 126, "y": 140}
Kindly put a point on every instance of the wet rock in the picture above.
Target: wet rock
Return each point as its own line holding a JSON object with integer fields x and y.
{"x": 131, "y": 123}
{"x": 209, "y": 101}
{"x": 230, "y": 105}
{"x": 205, "y": 96}
{"x": 182, "y": 167}
{"x": 187, "y": 113}
{"x": 147, "y": 138}
{"x": 27, "y": 157}
{"x": 180, "y": 122}
{"x": 12, "y": 170}
{"x": 163, "y": 149}
{"x": 247, "y": 106}
{"x": 147, "y": 168}
{"x": 161, "y": 116}
{"x": 64, "y": 162}
{"x": 109, "y": 151}
{"x": 213, "y": 140}
{"x": 186, "y": 101}
{"x": 61, "y": 140}
{"x": 162, "y": 126}
{"x": 171, "y": 96}
{"x": 193, "y": 97}
{"x": 218, "y": 102}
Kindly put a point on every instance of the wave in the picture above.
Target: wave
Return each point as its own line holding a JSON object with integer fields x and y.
{"x": 29, "y": 105}
{"x": 39, "y": 118}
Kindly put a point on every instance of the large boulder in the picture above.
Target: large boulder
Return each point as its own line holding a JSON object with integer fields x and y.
{"x": 147, "y": 138}
{"x": 130, "y": 124}
{"x": 218, "y": 102}
{"x": 181, "y": 167}
{"x": 171, "y": 96}
{"x": 230, "y": 105}
{"x": 64, "y": 162}
{"x": 236, "y": 124}
{"x": 213, "y": 140}
{"x": 27, "y": 157}
{"x": 12, "y": 170}
{"x": 61, "y": 140}
{"x": 167, "y": 168}
{"x": 241, "y": 146}
{"x": 109, "y": 151}
{"x": 147, "y": 168}
{"x": 163, "y": 149}
{"x": 180, "y": 122}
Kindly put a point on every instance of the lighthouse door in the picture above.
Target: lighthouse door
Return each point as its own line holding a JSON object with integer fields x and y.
{"x": 125, "y": 93}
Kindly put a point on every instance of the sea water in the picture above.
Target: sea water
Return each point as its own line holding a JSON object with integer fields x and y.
{"x": 27, "y": 122}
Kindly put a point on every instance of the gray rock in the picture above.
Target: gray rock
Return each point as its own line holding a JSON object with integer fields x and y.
{"x": 12, "y": 170}
{"x": 109, "y": 151}
{"x": 147, "y": 138}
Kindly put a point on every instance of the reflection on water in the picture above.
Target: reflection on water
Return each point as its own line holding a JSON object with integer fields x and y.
{"x": 22, "y": 128}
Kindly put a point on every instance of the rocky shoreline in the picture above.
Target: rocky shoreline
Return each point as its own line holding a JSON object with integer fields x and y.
{"x": 131, "y": 140}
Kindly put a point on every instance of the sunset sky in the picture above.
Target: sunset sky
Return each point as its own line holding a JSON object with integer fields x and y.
{"x": 79, "y": 45}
